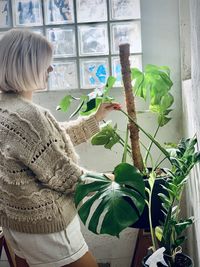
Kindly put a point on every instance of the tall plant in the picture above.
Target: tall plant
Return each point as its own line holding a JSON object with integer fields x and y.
{"x": 129, "y": 182}
{"x": 120, "y": 203}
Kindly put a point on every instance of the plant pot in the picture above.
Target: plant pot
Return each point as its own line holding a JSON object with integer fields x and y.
{"x": 157, "y": 214}
{"x": 181, "y": 260}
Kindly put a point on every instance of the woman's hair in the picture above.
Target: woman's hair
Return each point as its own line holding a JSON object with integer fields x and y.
{"x": 24, "y": 59}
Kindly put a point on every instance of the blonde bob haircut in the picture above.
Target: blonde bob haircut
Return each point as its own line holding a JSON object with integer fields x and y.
{"x": 24, "y": 59}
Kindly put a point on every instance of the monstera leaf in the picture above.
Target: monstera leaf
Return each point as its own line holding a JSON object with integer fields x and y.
{"x": 107, "y": 211}
{"x": 106, "y": 137}
{"x": 155, "y": 82}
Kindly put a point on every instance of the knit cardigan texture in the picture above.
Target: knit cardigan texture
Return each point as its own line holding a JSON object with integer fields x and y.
{"x": 38, "y": 165}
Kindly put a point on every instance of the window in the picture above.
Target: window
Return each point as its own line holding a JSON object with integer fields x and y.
{"x": 85, "y": 35}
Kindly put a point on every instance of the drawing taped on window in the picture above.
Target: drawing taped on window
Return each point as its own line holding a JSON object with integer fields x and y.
{"x": 93, "y": 72}
{"x": 59, "y": 11}
{"x": 129, "y": 32}
{"x": 93, "y": 40}
{"x": 124, "y": 9}
{"x": 91, "y": 10}
{"x": 88, "y": 31}
{"x": 27, "y": 13}
{"x": 4, "y": 14}
{"x": 135, "y": 61}
{"x": 63, "y": 41}
{"x": 63, "y": 76}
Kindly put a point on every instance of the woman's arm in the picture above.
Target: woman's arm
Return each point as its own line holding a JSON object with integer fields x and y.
{"x": 84, "y": 128}
{"x": 81, "y": 129}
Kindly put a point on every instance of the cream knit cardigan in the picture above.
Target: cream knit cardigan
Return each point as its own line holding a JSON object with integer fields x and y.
{"x": 38, "y": 166}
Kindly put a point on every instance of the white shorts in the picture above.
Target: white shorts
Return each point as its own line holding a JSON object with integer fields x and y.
{"x": 49, "y": 250}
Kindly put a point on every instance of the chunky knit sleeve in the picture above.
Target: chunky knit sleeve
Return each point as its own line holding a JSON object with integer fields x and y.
{"x": 82, "y": 129}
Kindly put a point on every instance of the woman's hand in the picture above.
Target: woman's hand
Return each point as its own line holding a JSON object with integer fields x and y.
{"x": 104, "y": 109}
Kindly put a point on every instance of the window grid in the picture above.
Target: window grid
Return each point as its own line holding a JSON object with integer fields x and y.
{"x": 78, "y": 58}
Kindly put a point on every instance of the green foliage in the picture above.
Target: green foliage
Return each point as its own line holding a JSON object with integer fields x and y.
{"x": 65, "y": 103}
{"x": 155, "y": 83}
{"x": 102, "y": 204}
{"x": 183, "y": 159}
{"x": 115, "y": 211}
{"x": 159, "y": 233}
{"x": 88, "y": 104}
{"x": 109, "y": 84}
{"x": 106, "y": 137}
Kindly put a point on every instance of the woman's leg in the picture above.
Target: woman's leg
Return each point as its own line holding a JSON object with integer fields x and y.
{"x": 86, "y": 261}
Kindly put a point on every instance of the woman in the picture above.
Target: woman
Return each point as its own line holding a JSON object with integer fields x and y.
{"x": 38, "y": 164}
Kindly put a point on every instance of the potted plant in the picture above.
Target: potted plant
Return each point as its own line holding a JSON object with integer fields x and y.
{"x": 113, "y": 206}
{"x": 167, "y": 238}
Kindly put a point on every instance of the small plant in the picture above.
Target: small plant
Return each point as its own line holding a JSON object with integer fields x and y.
{"x": 170, "y": 234}
{"x": 115, "y": 205}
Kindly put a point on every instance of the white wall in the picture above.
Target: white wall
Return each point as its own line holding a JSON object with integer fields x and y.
{"x": 191, "y": 102}
{"x": 160, "y": 40}
{"x": 185, "y": 39}
{"x": 192, "y": 190}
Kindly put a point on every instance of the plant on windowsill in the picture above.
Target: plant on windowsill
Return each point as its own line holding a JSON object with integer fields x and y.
{"x": 121, "y": 203}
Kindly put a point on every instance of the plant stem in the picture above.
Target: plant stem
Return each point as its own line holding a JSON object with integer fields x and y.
{"x": 151, "y": 158}
{"x": 150, "y": 221}
{"x": 164, "y": 151}
{"x": 122, "y": 140}
{"x": 150, "y": 145}
{"x": 158, "y": 164}
{"x": 122, "y": 144}
{"x": 167, "y": 229}
{"x": 125, "y": 146}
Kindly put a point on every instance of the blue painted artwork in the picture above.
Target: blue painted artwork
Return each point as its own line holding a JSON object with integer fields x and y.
{"x": 59, "y": 11}
{"x": 98, "y": 74}
{"x": 4, "y": 14}
{"x": 92, "y": 80}
{"x": 118, "y": 73}
{"x": 28, "y": 13}
{"x": 135, "y": 62}
{"x": 101, "y": 74}
{"x": 91, "y": 68}
{"x": 94, "y": 73}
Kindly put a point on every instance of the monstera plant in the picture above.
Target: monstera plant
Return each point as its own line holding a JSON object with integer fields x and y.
{"x": 108, "y": 207}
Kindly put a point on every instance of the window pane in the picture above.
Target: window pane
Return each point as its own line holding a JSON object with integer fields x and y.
{"x": 37, "y": 30}
{"x": 91, "y": 10}
{"x": 59, "y": 12}
{"x": 93, "y": 72}
{"x": 93, "y": 40}
{"x": 124, "y": 9}
{"x": 63, "y": 41}
{"x": 135, "y": 61}
{"x": 64, "y": 76}
{"x": 4, "y": 14}
{"x": 78, "y": 31}
{"x": 27, "y": 13}
{"x": 129, "y": 32}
